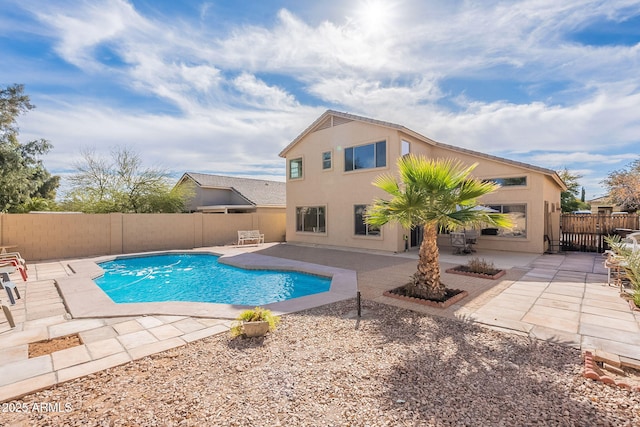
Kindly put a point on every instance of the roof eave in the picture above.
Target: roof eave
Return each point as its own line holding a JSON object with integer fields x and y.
{"x": 222, "y": 207}
{"x": 551, "y": 173}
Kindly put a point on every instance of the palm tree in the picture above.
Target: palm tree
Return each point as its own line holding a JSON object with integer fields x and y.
{"x": 433, "y": 193}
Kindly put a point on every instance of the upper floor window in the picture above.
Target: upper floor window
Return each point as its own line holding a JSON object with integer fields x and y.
{"x": 509, "y": 182}
{"x": 326, "y": 160}
{"x": 365, "y": 156}
{"x": 361, "y": 227}
{"x": 295, "y": 168}
{"x": 405, "y": 148}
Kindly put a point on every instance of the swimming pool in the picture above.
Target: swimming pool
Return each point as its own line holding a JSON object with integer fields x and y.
{"x": 201, "y": 278}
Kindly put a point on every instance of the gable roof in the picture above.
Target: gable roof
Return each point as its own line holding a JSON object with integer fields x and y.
{"x": 258, "y": 192}
{"x": 333, "y": 118}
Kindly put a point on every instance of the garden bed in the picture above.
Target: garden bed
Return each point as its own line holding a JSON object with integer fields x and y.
{"x": 466, "y": 271}
{"x": 42, "y": 348}
{"x": 451, "y": 297}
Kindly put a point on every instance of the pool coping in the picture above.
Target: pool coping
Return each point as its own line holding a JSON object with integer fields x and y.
{"x": 83, "y": 298}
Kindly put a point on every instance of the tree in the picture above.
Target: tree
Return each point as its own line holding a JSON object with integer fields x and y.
{"x": 569, "y": 201}
{"x": 121, "y": 184}
{"x": 432, "y": 193}
{"x": 22, "y": 174}
{"x": 623, "y": 186}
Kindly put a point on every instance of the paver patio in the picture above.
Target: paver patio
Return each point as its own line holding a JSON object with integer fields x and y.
{"x": 562, "y": 297}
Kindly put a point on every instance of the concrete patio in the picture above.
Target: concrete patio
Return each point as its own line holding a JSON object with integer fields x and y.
{"x": 561, "y": 297}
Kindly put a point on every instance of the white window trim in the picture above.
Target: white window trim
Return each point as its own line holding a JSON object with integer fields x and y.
{"x": 371, "y": 142}
{"x": 364, "y": 236}
{"x": 512, "y": 187}
{"x": 527, "y": 220}
{"x": 302, "y": 167}
{"x": 322, "y": 161}
{"x": 402, "y": 142}
{"x": 313, "y": 233}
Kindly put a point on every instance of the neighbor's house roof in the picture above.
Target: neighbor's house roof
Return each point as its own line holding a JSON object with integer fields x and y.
{"x": 331, "y": 118}
{"x": 602, "y": 199}
{"x": 257, "y": 192}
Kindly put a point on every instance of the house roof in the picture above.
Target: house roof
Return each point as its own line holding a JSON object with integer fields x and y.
{"x": 328, "y": 118}
{"x": 601, "y": 199}
{"x": 258, "y": 192}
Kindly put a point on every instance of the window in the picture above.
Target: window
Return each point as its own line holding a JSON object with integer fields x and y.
{"x": 311, "y": 219}
{"x": 295, "y": 168}
{"x": 361, "y": 227}
{"x": 366, "y": 156}
{"x": 326, "y": 160}
{"x": 510, "y": 182}
{"x": 518, "y": 214}
{"x": 405, "y": 148}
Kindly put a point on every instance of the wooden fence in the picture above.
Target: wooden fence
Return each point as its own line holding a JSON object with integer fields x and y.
{"x": 586, "y": 233}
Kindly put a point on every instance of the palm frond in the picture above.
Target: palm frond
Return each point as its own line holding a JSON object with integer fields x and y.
{"x": 433, "y": 191}
{"x": 387, "y": 183}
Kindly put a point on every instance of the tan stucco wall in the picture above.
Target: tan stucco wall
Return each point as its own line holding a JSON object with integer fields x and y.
{"x": 600, "y": 206}
{"x": 58, "y": 236}
{"x": 339, "y": 191}
{"x": 53, "y": 236}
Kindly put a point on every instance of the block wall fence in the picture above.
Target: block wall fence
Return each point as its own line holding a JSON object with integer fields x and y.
{"x": 49, "y": 236}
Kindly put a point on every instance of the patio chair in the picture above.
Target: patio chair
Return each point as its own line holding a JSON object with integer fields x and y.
{"x": 459, "y": 243}
{"x": 15, "y": 263}
{"x": 472, "y": 238}
{"x": 633, "y": 241}
{"x": 615, "y": 266}
{"x": 13, "y": 255}
{"x": 8, "y": 285}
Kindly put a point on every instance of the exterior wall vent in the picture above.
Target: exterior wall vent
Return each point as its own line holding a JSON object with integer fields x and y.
{"x": 324, "y": 125}
{"x": 340, "y": 120}
{"x": 331, "y": 121}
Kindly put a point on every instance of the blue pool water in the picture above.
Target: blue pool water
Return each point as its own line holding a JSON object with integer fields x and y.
{"x": 200, "y": 278}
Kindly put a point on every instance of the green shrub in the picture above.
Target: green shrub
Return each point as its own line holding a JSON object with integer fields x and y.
{"x": 617, "y": 245}
{"x": 630, "y": 262}
{"x": 477, "y": 265}
{"x": 256, "y": 314}
{"x": 632, "y": 268}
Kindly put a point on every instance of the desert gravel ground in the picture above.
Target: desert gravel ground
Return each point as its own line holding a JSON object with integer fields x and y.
{"x": 324, "y": 367}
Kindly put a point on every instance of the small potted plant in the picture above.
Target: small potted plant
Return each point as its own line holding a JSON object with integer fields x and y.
{"x": 255, "y": 322}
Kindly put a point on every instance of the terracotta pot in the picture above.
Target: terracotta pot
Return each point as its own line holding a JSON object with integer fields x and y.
{"x": 255, "y": 329}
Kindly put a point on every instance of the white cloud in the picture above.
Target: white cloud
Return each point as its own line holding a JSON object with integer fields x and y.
{"x": 605, "y": 120}
{"x": 561, "y": 158}
{"x": 223, "y": 141}
{"x": 230, "y": 117}
{"x": 82, "y": 26}
{"x": 357, "y": 92}
{"x": 257, "y": 93}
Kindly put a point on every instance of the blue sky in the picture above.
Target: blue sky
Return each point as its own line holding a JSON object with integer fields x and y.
{"x": 222, "y": 86}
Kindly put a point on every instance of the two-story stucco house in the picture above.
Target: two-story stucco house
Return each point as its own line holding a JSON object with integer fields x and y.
{"x": 332, "y": 164}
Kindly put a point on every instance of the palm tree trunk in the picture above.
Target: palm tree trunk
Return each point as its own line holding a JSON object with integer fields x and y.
{"x": 426, "y": 281}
